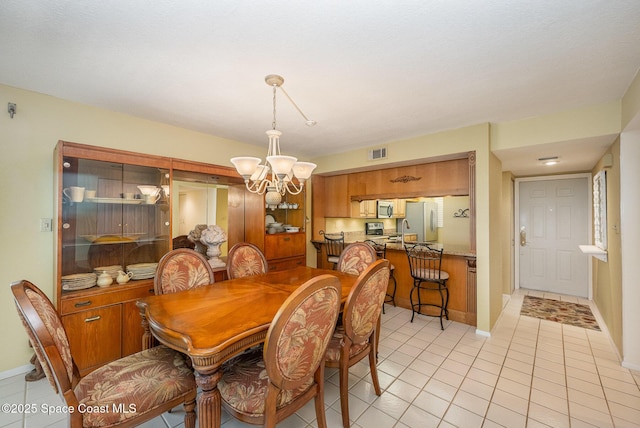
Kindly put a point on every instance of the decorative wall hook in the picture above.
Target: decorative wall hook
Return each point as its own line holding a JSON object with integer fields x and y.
{"x": 11, "y": 108}
{"x": 462, "y": 213}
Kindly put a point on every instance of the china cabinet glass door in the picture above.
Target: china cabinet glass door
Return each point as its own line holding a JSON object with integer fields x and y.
{"x": 107, "y": 220}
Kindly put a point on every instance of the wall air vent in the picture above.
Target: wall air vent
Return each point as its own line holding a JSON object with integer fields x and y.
{"x": 376, "y": 154}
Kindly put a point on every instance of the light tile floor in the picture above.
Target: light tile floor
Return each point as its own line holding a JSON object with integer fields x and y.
{"x": 529, "y": 373}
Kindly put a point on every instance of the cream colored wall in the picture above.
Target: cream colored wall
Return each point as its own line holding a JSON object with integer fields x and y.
{"x": 631, "y": 103}
{"x": 507, "y": 233}
{"x": 630, "y": 227}
{"x": 586, "y": 122}
{"x": 496, "y": 226}
{"x": 463, "y": 140}
{"x": 629, "y": 214}
{"x": 607, "y": 276}
{"x": 455, "y": 230}
{"x": 26, "y": 184}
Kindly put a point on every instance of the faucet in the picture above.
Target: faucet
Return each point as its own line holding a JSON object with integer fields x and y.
{"x": 404, "y": 221}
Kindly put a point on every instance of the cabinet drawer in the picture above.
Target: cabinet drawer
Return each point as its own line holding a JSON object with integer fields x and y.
{"x": 283, "y": 245}
{"x": 94, "y": 336}
{"x": 286, "y": 263}
{"x": 97, "y": 297}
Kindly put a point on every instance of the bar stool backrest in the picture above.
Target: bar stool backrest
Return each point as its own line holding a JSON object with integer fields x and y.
{"x": 334, "y": 243}
{"x": 425, "y": 262}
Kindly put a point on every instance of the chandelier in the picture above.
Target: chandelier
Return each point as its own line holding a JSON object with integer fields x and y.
{"x": 276, "y": 176}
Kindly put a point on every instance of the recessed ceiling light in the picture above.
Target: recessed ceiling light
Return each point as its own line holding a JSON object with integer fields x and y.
{"x": 549, "y": 160}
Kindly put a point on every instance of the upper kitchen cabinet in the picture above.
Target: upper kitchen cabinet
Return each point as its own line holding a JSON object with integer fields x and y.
{"x": 399, "y": 208}
{"x": 364, "y": 209}
{"x": 337, "y": 201}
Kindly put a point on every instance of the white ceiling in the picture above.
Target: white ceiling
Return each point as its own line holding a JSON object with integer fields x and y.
{"x": 368, "y": 72}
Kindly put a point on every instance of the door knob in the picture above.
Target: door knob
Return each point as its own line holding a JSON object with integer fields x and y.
{"x": 523, "y": 237}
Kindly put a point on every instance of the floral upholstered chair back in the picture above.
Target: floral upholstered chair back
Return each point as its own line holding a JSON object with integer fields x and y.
{"x": 364, "y": 304}
{"x": 244, "y": 260}
{"x": 356, "y": 258}
{"x": 47, "y": 335}
{"x": 153, "y": 381}
{"x": 264, "y": 386}
{"x": 298, "y": 337}
{"x": 180, "y": 270}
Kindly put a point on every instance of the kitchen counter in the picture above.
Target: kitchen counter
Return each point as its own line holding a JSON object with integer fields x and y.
{"x": 458, "y": 261}
{"x": 449, "y": 249}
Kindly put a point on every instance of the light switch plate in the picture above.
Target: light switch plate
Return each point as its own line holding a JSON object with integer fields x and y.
{"x": 45, "y": 224}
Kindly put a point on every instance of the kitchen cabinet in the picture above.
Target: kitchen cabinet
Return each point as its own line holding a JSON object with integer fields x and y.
{"x": 337, "y": 201}
{"x": 399, "y": 208}
{"x": 364, "y": 209}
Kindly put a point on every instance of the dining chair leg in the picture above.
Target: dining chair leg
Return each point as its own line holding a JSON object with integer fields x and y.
{"x": 344, "y": 395}
{"x": 190, "y": 414}
{"x": 321, "y": 417}
{"x": 374, "y": 371}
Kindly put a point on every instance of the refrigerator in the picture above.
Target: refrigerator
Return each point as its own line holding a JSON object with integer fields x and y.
{"x": 423, "y": 220}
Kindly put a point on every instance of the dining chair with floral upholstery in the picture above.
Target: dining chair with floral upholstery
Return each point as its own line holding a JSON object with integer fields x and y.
{"x": 182, "y": 269}
{"x": 381, "y": 252}
{"x": 123, "y": 393}
{"x": 356, "y": 337}
{"x": 245, "y": 259}
{"x": 265, "y": 386}
{"x": 356, "y": 258}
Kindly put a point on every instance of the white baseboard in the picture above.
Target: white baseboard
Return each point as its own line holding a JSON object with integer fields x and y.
{"x": 506, "y": 298}
{"x": 16, "y": 371}
{"x": 631, "y": 366}
{"x": 483, "y": 333}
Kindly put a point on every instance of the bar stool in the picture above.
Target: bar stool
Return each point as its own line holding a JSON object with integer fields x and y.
{"x": 381, "y": 251}
{"x": 425, "y": 264}
{"x": 334, "y": 244}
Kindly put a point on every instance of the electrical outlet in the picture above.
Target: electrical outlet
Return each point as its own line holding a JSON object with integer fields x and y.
{"x": 45, "y": 224}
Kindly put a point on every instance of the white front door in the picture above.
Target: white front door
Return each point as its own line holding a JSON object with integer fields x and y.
{"x": 553, "y": 219}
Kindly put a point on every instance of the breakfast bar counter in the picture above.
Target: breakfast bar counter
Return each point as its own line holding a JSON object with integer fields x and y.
{"x": 457, "y": 260}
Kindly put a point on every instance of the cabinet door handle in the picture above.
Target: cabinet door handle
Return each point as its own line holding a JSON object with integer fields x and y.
{"x": 287, "y": 239}
{"x": 81, "y": 304}
{"x": 92, "y": 319}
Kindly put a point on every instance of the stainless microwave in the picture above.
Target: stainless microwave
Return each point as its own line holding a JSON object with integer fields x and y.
{"x": 385, "y": 209}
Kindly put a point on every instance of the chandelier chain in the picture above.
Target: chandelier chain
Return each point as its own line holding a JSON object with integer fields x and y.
{"x": 273, "y": 124}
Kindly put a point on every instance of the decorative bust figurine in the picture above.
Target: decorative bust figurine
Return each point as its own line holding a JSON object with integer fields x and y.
{"x": 194, "y": 236}
{"x": 213, "y": 236}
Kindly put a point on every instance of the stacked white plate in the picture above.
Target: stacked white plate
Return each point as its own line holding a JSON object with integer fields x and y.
{"x": 142, "y": 270}
{"x": 111, "y": 270}
{"x": 79, "y": 281}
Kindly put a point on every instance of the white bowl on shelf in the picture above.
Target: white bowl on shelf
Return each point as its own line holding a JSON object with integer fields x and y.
{"x": 292, "y": 229}
{"x": 149, "y": 190}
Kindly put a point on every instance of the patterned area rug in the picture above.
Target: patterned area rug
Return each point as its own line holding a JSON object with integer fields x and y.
{"x": 559, "y": 311}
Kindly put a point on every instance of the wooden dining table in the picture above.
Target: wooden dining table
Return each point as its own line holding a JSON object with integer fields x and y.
{"x": 213, "y": 323}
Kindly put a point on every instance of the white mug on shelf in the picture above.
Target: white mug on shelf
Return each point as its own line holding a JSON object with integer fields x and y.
{"x": 74, "y": 193}
{"x": 151, "y": 199}
{"x": 90, "y": 194}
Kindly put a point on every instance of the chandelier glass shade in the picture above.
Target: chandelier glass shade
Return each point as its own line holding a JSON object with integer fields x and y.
{"x": 275, "y": 177}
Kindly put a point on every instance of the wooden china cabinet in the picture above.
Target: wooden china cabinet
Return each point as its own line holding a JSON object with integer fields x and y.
{"x": 103, "y": 221}
{"x": 108, "y": 224}
{"x": 283, "y": 250}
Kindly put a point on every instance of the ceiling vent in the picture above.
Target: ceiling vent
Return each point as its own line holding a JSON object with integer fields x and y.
{"x": 376, "y": 154}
